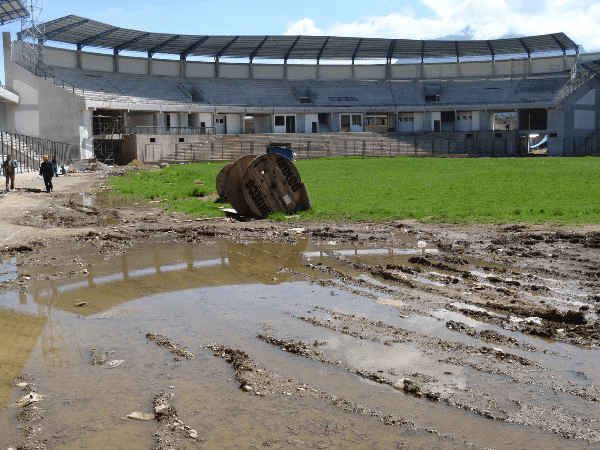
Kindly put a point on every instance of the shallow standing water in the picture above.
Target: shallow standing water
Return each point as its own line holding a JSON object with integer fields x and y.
{"x": 228, "y": 293}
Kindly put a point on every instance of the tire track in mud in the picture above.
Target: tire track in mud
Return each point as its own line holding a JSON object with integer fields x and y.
{"x": 528, "y": 380}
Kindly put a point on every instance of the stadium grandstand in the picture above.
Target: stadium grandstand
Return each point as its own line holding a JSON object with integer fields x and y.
{"x": 119, "y": 94}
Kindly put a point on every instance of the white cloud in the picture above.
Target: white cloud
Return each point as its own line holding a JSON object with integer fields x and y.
{"x": 578, "y": 19}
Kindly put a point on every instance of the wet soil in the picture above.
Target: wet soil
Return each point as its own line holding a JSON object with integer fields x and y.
{"x": 362, "y": 335}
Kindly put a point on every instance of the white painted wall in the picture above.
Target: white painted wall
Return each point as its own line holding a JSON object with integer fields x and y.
{"x": 309, "y": 119}
{"x": 234, "y": 123}
{"x": 419, "y": 121}
{"x": 464, "y": 121}
{"x": 196, "y": 120}
{"x": 406, "y": 122}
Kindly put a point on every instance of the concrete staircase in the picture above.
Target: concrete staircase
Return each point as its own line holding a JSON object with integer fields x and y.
{"x": 322, "y": 145}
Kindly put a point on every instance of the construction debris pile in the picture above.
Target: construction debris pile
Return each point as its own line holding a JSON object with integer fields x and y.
{"x": 257, "y": 186}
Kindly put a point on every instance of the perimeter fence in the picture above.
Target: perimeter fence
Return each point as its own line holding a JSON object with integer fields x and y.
{"x": 28, "y": 151}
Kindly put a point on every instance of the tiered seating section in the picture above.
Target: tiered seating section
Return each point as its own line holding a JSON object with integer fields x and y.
{"x": 132, "y": 88}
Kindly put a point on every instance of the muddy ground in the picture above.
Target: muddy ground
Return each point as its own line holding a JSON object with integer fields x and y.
{"x": 494, "y": 330}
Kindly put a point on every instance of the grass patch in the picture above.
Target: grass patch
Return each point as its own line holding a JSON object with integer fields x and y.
{"x": 564, "y": 191}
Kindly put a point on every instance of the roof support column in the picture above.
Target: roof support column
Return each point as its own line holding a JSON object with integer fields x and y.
{"x": 182, "y": 67}
{"x": 78, "y": 56}
{"x": 149, "y": 60}
{"x": 217, "y": 74}
{"x": 115, "y": 61}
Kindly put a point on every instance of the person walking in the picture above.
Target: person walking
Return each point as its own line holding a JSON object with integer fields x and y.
{"x": 10, "y": 169}
{"x": 47, "y": 171}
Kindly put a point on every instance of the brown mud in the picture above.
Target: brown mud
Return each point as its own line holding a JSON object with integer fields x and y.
{"x": 221, "y": 333}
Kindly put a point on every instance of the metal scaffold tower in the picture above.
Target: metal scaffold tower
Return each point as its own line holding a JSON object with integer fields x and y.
{"x": 32, "y": 37}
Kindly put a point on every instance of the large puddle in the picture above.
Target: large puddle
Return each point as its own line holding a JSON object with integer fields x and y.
{"x": 227, "y": 293}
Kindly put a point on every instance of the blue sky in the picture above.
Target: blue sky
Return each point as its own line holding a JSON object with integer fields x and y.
{"x": 413, "y": 19}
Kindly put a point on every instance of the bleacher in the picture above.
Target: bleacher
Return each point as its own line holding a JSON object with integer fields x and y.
{"x": 136, "y": 88}
{"x": 124, "y": 88}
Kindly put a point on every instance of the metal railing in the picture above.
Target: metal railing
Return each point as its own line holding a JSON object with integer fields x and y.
{"x": 338, "y": 145}
{"x": 28, "y": 151}
{"x": 58, "y": 81}
{"x": 170, "y": 130}
{"x": 572, "y": 87}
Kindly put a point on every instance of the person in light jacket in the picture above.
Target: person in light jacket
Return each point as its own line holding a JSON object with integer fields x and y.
{"x": 47, "y": 171}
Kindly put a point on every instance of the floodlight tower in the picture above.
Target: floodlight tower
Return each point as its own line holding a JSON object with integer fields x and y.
{"x": 32, "y": 38}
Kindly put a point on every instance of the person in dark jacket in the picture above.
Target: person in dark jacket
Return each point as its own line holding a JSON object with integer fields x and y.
{"x": 10, "y": 168}
{"x": 47, "y": 171}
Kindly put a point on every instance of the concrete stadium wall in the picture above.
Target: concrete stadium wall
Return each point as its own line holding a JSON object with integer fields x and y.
{"x": 197, "y": 69}
{"x": 166, "y": 67}
{"x": 136, "y": 66}
{"x": 469, "y": 69}
{"x": 268, "y": 71}
{"x": 581, "y": 117}
{"x": 61, "y": 58}
{"x": 236, "y": 71}
{"x": 370, "y": 72}
{"x": 45, "y": 110}
{"x": 405, "y": 71}
{"x": 476, "y": 69}
{"x": 329, "y": 73}
{"x": 95, "y": 61}
{"x": 548, "y": 65}
{"x": 302, "y": 72}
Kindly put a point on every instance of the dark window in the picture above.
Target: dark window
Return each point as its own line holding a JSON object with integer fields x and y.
{"x": 279, "y": 121}
{"x": 499, "y": 135}
{"x": 432, "y": 98}
{"x": 181, "y": 139}
{"x": 152, "y": 139}
{"x": 469, "y": 136}
{"x": 553, "y": 135}
{"x": 533, "y": 119}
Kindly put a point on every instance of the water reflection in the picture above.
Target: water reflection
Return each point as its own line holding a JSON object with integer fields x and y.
{"x": 8, "y": 270}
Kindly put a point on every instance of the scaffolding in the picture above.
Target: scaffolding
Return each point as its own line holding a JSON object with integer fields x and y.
{"x": 32, "y": 36}
{"x": 108, "y": 129}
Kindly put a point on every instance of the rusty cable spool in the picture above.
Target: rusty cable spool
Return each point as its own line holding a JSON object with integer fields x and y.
{"x": 272, "y": 183}
{"x": 233, "y": 185}
{"x": 222, "y": 181}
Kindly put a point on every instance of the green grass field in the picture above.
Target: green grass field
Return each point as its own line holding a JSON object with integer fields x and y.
{"x": 564, "y": 191}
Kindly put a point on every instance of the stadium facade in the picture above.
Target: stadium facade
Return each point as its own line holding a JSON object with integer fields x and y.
{"x": 104, "y": 89}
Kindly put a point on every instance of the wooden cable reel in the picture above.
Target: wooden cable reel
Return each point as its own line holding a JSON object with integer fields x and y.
{"x": 263, "y": 184}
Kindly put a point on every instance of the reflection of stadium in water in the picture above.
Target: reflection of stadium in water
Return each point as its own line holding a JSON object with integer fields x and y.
{"x": 159, "y": 269}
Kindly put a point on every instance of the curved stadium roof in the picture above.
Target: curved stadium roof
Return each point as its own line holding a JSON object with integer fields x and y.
{"x": 11, "y": 10}
{"x": 90, "y": 33}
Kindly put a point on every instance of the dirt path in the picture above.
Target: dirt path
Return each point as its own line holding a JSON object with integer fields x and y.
{"x": 515, "y": 305}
